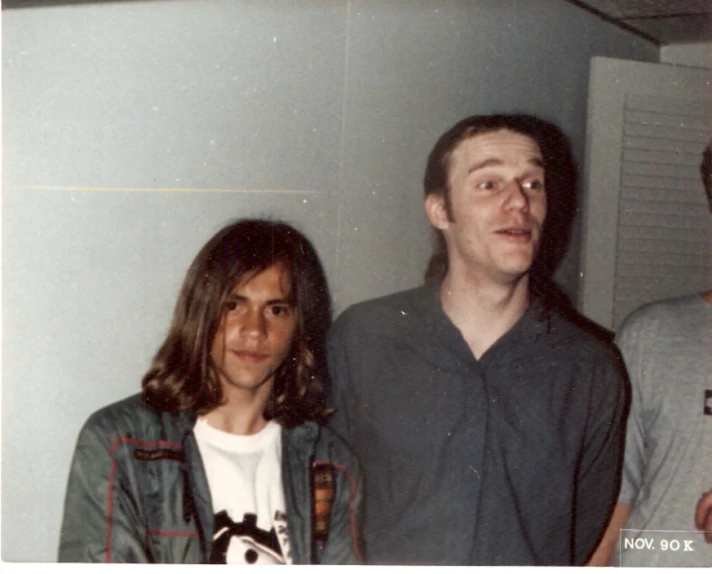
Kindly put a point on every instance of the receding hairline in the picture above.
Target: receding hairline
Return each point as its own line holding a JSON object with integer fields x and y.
{"x": 495, "y": 161}
{"x": 535, "y": 161}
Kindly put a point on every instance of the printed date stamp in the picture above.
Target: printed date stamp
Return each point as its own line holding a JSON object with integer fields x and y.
{"x": 663, "y": 548}
{"x": 644, "y": 543}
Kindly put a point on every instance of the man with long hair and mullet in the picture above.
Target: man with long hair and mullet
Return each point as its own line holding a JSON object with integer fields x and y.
{"x": 488, "y": 424}
{"x": 223, "y": 457}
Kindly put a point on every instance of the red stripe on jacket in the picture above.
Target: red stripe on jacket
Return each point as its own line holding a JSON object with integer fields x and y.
{"x": 110, "y": 493}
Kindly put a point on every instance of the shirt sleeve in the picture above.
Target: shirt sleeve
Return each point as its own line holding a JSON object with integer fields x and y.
{"x": 101, "y": 517}
{"x": 340, "y": 350}
{"x": 346, "y": 546}
{"x": 600, "y": 463}
{"x": 633, "y": 341}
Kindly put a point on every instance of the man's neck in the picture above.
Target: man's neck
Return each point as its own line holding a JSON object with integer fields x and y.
{"x": 241, "y": 413}
{"x": 483, "y": 312}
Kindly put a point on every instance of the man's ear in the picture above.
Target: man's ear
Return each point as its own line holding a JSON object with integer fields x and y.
{"x": 435, "y": 210}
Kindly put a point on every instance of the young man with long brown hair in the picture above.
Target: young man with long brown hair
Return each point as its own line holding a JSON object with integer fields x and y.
{"x": 223, "y": 457}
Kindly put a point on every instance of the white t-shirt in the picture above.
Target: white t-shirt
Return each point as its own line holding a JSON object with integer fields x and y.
{"x": 245, "y": 480}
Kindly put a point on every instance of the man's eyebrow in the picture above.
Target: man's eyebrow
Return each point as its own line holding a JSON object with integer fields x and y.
{"x": 489, "y": 162}
{"x": 280, "y": 302}
{"x": 235, "y": 298}
{"x": 493, "y": 161}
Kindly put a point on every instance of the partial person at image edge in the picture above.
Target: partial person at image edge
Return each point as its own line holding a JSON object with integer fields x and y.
{"x": 666, "y": 490}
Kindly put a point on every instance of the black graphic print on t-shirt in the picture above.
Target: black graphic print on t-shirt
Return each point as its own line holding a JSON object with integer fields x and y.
{"x": 245, "y": 542}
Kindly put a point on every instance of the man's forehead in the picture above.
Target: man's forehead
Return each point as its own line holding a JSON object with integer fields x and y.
{"x": 504, "y": 144}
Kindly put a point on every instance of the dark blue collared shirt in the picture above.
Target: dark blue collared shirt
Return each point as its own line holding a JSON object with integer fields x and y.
{"x": 510, "y": 459}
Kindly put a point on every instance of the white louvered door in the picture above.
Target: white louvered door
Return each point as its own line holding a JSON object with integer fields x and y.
{"x": 647, "y": 232}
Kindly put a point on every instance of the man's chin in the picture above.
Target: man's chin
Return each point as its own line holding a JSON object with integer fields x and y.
{"x": 516, "y": 269}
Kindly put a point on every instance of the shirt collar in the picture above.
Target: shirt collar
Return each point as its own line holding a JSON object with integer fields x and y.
{"x": 535, "y": 321}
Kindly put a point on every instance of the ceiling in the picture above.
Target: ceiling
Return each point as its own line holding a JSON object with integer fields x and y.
{"x": 660, "y": 21}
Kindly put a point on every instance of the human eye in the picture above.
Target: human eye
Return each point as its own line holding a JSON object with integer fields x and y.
{"x": 535, "y": 184}
{"x": 231, "y": 304}
{"x": 488, "y": 184}
{"x": 280, "y": 310}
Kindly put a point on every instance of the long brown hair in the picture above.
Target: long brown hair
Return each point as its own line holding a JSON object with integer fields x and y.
{"x": 182, "y": 375}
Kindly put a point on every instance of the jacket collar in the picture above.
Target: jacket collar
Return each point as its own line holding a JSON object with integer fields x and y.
{"x": 186, "y": 421}
{"x": 301, "y": 436}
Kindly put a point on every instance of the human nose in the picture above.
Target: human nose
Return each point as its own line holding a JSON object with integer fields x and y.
{"x": 254, "y": 324}
{"x": 516, "y": 196}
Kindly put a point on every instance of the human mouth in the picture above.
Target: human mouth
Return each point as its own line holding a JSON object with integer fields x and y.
{"x": 250, "y": 356}
{"x": 519, "y": 234}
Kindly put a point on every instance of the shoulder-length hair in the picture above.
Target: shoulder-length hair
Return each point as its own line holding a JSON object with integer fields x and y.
{"x": 183, "y": 375}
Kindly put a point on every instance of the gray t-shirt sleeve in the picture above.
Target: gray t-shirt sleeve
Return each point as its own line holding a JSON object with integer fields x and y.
{"x": 633, "y": 340}
{"x": 669, "y": 440}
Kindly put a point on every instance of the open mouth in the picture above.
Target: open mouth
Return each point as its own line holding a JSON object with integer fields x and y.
{"x": 525, "y": 233}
